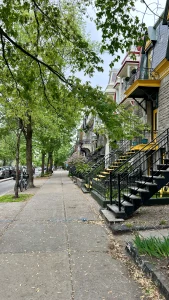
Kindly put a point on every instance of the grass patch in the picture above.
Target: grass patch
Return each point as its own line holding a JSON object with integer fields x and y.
{"x": 163, "y": 222}
{"x": 129, "y": 225}
{"x": 154, "y": 247}
{"x": 10, "y": 198}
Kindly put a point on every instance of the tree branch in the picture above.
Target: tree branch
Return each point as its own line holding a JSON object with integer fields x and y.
{"x": 38, "y": 30}
{"x": 7, "y": 64}
{"x": 59, "y": 75}
{"x": 45, "y": 92}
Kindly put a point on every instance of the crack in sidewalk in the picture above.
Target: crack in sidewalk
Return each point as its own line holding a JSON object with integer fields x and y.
{"x": 69, "y": 252}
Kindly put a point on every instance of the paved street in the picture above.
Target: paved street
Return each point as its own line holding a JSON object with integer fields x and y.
{"x": 6, "y": 186}
{"x": 55, "y": 247}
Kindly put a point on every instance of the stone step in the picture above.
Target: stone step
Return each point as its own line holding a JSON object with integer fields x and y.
{"x": 110, "y": 217}
{"x": 84, "y": 190}
{"x": 114, "y": 208}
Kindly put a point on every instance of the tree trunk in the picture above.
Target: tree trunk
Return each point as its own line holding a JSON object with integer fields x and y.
{"x": 43, "y": 163}
{"x": 50, "y": 162}
{"x": 28, "y": 137}
{"x": 47, "y": 167}
{"x": 4, "y": 162}
{"x": 17, "y": 163}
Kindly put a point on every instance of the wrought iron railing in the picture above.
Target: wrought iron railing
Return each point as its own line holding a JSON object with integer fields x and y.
{"x": 144, "y": 162}
{"x": 144, "y": 138}
{"x": 101, "y": 185}
{"x": 142, "y": 73}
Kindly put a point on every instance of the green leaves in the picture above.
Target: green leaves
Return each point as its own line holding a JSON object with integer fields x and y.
{"x": 120, "y": 29}
{"x": 152, "y": 246}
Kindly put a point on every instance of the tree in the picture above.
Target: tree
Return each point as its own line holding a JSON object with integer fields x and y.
{"x": 41, "y": 42}
{"x": 120, "y": 28}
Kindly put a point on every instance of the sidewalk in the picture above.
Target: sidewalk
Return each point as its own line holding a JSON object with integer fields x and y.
{"x": 55, "y": 247}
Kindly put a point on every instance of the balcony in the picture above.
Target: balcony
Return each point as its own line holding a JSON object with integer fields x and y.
{"x": 140, "y": 142}
{"x": 141, "y": 83}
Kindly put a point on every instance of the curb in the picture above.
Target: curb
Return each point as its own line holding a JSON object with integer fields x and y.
{"x": 124, "y": 229}
{"x": 6, "y": 179}
{"x": 149, "y": 270}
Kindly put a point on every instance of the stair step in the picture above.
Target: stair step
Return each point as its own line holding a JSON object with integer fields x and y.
{"x": 114, "y": 208}
{"x": 153, "y": 178}
{"x": 96, "y": 179}
{"x": 88, "y": 186}
{"x": 162, "y": 166}
{"x": 121, "y": 159}
{"x": 108, "y": 169}
{"x": 155, "y": 173}
{"x": 110, "y": 217}
{"x": 138, "y": 190}
{"x": 115, "y": 163}
{"x": 130, "y": 152}
{"x": 131, "y": 196}
{"x": 101, "y": 176}
{"x": 146, "y": 183}
{"x": 126, "y": 204}
{"x": 84, "y": 190}
{"x": 105, "y": 173}
{"x": 164, "y": 171}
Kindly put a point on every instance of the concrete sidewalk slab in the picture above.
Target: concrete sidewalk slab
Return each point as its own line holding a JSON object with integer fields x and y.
{"x": 57, "y": 249}
{"x": 34, "y": 237}
{"x": 87, "y": 237}
{"x": 10, "y": 210}
{"x": 35, "y": 276}
{"x": 90, "y": 282}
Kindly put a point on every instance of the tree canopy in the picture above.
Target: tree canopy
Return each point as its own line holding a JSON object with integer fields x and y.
{"x": 43, "y": 45}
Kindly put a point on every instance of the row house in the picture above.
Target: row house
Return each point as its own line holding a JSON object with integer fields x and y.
{"x": 90, "y": 143}
{"x": 136, "y": 171}
{"x": 146, "y": 85}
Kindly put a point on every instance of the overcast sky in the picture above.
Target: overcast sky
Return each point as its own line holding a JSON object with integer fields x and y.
{"x": 144, "y": 14}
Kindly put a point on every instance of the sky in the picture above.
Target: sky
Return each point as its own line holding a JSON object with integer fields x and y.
{"x": 101, "y": 79}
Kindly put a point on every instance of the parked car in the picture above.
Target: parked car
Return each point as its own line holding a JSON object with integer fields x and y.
{"x": 7, "y": 171}
{"x": 4, "y": 172}
{"x": 10, "y": 168}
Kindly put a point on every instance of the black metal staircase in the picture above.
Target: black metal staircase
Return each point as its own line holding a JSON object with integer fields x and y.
{"x": 140, "y": 177}
{"x": 97, "y": 179}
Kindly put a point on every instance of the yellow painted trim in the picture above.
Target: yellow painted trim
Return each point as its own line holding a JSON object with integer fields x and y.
{"x": 143, "y": 147}
{"x": 143, "y": 83}
{"x": 148, "y": 43}
{"x": 155, "y": 111}
{"x": 163, "y": 68}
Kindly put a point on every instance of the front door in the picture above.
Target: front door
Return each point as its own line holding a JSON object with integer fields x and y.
{"x": 155, "y": 123}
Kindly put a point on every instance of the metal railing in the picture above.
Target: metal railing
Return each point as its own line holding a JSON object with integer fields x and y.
{"x": 144, "y": 162}
{"x": 102, "y": 185}
{"x": 142, "y": 73}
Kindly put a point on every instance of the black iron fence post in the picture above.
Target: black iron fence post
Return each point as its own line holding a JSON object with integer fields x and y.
{"x": 110, "y": 187}
{"x": 119, "y": 196}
